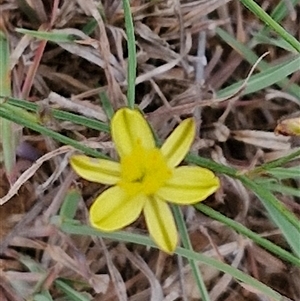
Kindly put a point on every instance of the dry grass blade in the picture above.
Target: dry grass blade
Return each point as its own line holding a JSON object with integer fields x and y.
{"x": 86, "y": 109}
{"x": 99, "y": 283}
{"x": 156, "y": 289}
{"x": 31, "y": 171}
{"x": 116, "y": 278}
{"x": 263, "y": 139}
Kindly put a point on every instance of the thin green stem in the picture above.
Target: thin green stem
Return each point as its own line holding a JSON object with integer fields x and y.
{"x": 210, "y": 164}
{"x": 277, "y": 163}
{"x": 10, "y": 115}
{"x": 261, "y": 14}
{"x": 131, "y": 54}
{"x": 187, "y": 245}
{"x": 248, "y": 233}
{"x": 61, "y": 115}
{"x": 266, "y": 196}
{"x": 8, "y": 137}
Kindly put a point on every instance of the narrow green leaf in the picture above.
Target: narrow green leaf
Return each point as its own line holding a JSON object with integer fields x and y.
{"x": 285, "y": 173}
{"x": 278, "y": 42}
{"x": 131, "y": 54}
{"x": 286, "y": 221}
{"x": 261, "y": 14}
{"x": 277, "y": 163}
{"x": 284, "y": 189}
{"x": 271, "y": 247}
{"x": 264, "y": 79}
{"x": 4, "y": 70}
{"x": 59, "y": 114}
{"x": 8, "y": 114}
{"x": 89, "y": 27}
{"x": 70, "y": 204}
{"x": 251, "y": 57}
{"x": 43, "y": 296}
{"x": 210, "y": 164}
{"x": 52, "y": 36}
{"x": 72, "y": 294}
{"x": 106, "y": 105}
{"x": 8, "y": 135}
{"x": 19, "y": 111}
{"x": 282, "y": 10}
{"x": 187, "y": 245}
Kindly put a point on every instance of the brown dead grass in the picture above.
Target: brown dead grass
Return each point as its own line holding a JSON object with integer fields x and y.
{"x": 172, "y": 83}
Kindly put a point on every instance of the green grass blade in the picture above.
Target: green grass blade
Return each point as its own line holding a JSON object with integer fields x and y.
{"x": 8, "y": 137}
{"x": 43, "y": 296}
{"x": 273, "y": 248}
{"x": 277, "y": 42}
{"x": 286, "y": 221}
{"x": 241, "y": 48}
{"x": 264, "y": 79}
{"x": 52, "y": 36}
{"x": 106, "y": 105}
{"x": 131, "y": 54}
{"x": 19, "y": 111}
{"x": 268, "y": 198}
{"x": 251, "y": 57}
{"x": 187, "y": 245}
{"x": 70, "y": 204}
{"x": 210, "y": 164}
{"x": 4, "y": 70}
{"x": 235, "y": 273}
{"x": 89, "y": 27}
{"x": 285, "y": 173}
{"x": 284, "y": 189}
{"x": 72, "y": 294}
{"x": 281, "y": 10}
{"x": 60, "y": 115}
{"x": 9, "y": 115}
{"x": 276, "y": 163}
{"x": 261, "y": 14}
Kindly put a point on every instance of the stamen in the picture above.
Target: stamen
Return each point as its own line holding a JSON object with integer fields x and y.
{"x": 144, "y": 171}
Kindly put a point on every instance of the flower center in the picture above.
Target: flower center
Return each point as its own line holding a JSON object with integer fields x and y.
{"x": 143, "y": 171}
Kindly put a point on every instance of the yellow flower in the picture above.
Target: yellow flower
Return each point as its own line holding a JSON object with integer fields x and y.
{"x": 146, "y": 178}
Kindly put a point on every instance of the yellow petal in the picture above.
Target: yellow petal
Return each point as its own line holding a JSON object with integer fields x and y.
{"x": 189, "y": 185}
{"x": 179, "y": 142}
{"x": 96, "y": 170}
{"x": 161, "y": 224}
{"x": 129, "y": 128}
{"x": 114, "y": 209}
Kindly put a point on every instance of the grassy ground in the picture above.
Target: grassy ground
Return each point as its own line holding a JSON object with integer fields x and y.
{"x": 65, "y": 67}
